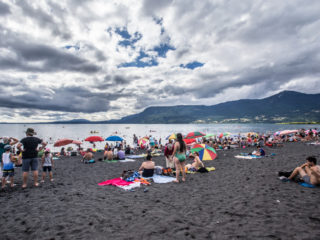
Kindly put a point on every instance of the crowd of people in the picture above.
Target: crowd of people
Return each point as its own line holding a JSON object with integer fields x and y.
{"x": 25, "y": 153}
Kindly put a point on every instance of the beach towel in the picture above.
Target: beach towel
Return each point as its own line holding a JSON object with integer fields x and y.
{"x": 115, "y": 182}
{"x": 247, "y": 157}
{"x": 130, "y": 186}
{"x": 134, "y": 156}
{"x": 127, "y": 160}
{"x": 162, "y": 179}
{"x": 55, "y": 158}
{"x": 303, "y": 184}
{"x": 315, "y": 143}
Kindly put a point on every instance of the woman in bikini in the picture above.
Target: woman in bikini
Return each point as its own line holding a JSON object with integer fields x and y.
{"x": 179, "y": 157}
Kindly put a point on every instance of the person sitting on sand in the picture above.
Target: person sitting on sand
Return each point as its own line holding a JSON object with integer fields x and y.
{"x": 179, "y": 157}
{"x": 197, "y": 163}
{"x": 63, "y": 152}
{"x": 88, "y": 157}
{"x": 260, "y": 151}
{"x": 309, "y": 171}
{"x": 108, "y": 154}
{"x": 121, "y": 155}
{"x": 147, "y": 167}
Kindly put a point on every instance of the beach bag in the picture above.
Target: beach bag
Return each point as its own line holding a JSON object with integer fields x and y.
{"x": 158, "y": 170}
{"x": 167, "y": 171}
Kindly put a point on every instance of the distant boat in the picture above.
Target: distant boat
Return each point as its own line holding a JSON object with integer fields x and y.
{"x": 94, "y": 131}
{"x": 127, "y": 127}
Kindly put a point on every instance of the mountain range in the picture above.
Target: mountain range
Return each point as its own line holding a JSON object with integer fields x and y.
{"x": 286, "y": 106}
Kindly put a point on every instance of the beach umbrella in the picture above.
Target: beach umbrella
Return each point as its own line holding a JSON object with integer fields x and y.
{"x": 114, "y": 138}
{"x": 172, "y": 136}
{"x": 62, "y": 142}
{"x": 142, "y": 141}
{"x": 209, "y": 135}
{"x": 195, "y": 135}
{"x": 94, "y": 139}
{"x": 189, "y": 141}
{"x": 77, "y": 142}
{"x": 205, "y": 152}
{"x": 286, "y": 132}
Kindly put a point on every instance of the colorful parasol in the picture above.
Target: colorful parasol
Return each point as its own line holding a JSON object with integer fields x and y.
{"x": 142, "y": 141}
{"x": 286, "y": 132}
{"x": 195, "y": 135}
{"x": 94, "y": 139}
{"x": 62, "y": 142}
{"x": 205, "y": 152}
{"x": 209, "y": 135}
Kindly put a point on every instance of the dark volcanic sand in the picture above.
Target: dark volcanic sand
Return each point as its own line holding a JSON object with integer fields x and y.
{"x": 241, "y": 199}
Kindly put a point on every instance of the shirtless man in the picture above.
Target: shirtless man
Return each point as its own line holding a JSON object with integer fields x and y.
{"x": 309, "y": 172}
{"x": 108, "y": 154}
{"x": 88, "y": 156}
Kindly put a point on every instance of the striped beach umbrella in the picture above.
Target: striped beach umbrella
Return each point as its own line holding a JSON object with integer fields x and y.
{"x": 195, "y": 135}
{"x": 205, "y": 152}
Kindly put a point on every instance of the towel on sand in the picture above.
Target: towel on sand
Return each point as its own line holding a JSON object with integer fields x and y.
{"x": 115, "y": 182}
{"x": 247, "y": 157}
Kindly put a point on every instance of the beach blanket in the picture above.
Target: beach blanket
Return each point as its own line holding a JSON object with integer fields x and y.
{"x": 247, "y": 156}
{"x": 315, "y": 143}
{"x": 122, "y": 161}
{"x": 161, "y": 179}
{"x": 115, "y": 182}
{"x": 130, "y": 186}
{"x": 134, "y": 156}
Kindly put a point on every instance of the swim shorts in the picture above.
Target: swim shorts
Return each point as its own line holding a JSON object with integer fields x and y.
{"x": 8, "y": 173}
{"x": 29, "y": 162}
{"x": 47, "y": 168}
{"x": 306, "y": 179}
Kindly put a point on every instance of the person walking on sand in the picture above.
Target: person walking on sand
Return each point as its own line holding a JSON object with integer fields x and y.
{"x": 47, "y": 165}
{"x": 179, "y": 157}
{"x": 309, "y": 171}
{"x": 29, "y": 156}
{"x": 6, "y": 141}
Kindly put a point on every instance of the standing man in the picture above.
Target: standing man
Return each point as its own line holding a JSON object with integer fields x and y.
{"x": 30, "y": 156}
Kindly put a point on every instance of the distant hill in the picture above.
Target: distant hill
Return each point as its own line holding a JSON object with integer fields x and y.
{"x": 287, "y": 106}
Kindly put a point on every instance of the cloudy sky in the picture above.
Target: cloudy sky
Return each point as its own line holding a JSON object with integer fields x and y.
{"x": 100, "y": 60}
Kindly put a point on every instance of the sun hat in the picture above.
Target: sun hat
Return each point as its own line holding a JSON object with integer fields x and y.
{"x": 31, "y": 131}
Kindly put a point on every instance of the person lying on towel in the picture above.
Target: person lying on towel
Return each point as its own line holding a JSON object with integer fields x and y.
{"x": 309, "y": 171}
{"x": 147, "y": 167}
{"x": 88, "y": 157}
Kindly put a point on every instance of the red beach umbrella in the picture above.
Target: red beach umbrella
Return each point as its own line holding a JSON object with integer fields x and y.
{"x": 195, "y": 135}
{"x": 188, "y": 141}
{"x": 77, "y": 142}
{"x": 62, "y": 142}
{"x": 94, "y": 139}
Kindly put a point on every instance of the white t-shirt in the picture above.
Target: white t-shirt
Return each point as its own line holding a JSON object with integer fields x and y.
{"x": 47, "y": 160}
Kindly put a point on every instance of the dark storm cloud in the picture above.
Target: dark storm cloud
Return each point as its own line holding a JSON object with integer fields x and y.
{"x": 66, "y": 99}
{"x": 45, "y": 20}
{"x": 47, "y": 58}
{"x": 4, "y": 9}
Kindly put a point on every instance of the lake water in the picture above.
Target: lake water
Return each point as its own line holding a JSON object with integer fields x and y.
{"x": 126, "y": 131}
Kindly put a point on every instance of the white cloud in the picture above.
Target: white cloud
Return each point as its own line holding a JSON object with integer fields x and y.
{"x": 250, "y": 49}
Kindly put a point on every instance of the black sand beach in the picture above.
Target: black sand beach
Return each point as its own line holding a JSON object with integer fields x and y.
{"x": 242, "y": 199}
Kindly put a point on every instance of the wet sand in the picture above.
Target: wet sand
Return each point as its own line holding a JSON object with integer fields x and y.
{"x": 242, "y": 199}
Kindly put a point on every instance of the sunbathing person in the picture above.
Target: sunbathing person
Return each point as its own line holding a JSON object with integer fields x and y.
{"x": 309, "y": 172}
{"x": 88, "y": 157}
{"x": 147, "y": 167}
{"x": 197, "y": 163}
{"x": 108, "y": 154}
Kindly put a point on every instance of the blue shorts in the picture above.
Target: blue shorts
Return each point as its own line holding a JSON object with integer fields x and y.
{"x": 29, "y": 163}
{"x": 8, "y": 173}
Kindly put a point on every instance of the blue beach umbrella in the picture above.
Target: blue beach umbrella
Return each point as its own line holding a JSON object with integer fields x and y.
{"x": 114, "y": 139}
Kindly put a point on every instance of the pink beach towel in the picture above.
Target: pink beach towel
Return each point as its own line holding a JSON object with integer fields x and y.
{"x": 115, "y": 182}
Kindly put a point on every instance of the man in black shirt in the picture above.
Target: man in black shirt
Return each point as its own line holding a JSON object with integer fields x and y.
{"x": 30, "y": 155}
